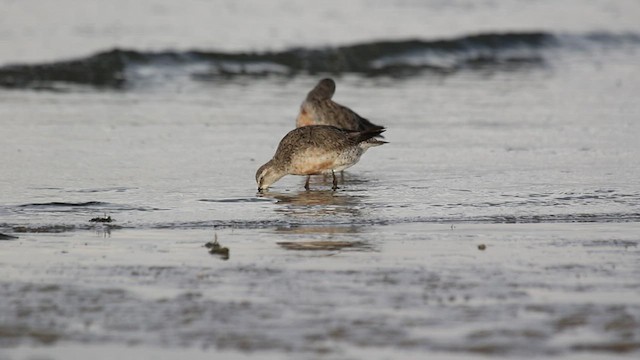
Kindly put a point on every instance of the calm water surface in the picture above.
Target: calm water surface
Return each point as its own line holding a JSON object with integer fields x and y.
{"x": 502, "y": 218}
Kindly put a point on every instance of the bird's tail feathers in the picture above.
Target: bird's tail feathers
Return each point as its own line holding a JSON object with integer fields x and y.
{"x": 375, "y": 142}
{"x": 368, "y": 135}
{"x": 366, "y": 125}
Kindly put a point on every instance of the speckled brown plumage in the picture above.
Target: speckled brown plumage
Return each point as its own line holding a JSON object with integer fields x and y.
{"x": 316, "y": 149}
{"x": 319, "y": 109}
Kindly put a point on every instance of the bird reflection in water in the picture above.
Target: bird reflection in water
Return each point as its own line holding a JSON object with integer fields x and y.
{"x": 326, "y": 206}
{"x": 319, "y": 204}
{"x": 326, "y": 245}
{"x": 330, "y": 238}
{"x": 322, "y": 219}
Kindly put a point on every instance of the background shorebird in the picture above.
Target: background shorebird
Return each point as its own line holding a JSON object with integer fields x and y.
{"x": 316, "y": 149}
{"x": 319, "y": 109}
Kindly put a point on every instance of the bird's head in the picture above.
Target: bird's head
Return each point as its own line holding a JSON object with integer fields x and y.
{"x": 267, "y": 174}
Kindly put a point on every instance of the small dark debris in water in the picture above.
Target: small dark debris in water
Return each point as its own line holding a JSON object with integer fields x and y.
{"x": 482, "y": 247}
{"x": 104, "y": 219}
{"x": 216, "y": 249}
{"x": 7, "y": 237}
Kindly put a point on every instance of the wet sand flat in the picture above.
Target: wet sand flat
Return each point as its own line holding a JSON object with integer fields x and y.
{"x": 466, "y": 290}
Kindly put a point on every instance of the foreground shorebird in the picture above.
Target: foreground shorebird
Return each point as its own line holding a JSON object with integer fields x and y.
{"x": 319, "y": 109}
{"x": 313, "y": 150}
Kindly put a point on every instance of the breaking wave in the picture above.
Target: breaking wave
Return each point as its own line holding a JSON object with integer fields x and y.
{"x": 118, "y": 68}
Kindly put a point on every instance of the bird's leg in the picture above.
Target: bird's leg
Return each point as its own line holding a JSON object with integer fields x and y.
{"x": 335, "y": 180}
{"x": 342, "y": 176}
{"x": 306, "y": 184}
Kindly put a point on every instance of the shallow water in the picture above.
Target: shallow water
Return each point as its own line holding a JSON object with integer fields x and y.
{"x": 502, "y": 218}
{"x": 526, "y": 146}
{"x": 408, "y": 290}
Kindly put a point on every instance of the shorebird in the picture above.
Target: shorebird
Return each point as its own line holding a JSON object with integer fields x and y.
{"x": 319, "y": 109}
{"x": 316, "y": 149}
